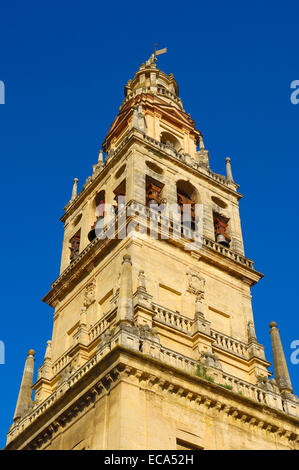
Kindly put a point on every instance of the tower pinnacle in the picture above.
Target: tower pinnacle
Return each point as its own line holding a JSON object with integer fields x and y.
{"x": 75, "y": 189}
{"x": 25, "y": 394}
{"x": 280, "y": 365}
{"x": 229, "y": 175}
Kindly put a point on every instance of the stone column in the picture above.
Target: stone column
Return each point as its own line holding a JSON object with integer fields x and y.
{"x": 280, "y": 366}
{"x": 24, "y": 402}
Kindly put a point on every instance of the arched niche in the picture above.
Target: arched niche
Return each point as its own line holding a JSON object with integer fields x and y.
{"x": 77, "y": 219}
{"x": 187, "y": 195}
{"x": 170, "y": 139}
{"x": 153, "y": 167}
{"x": 120, "y": 171}
{"x": 219, "y": 202}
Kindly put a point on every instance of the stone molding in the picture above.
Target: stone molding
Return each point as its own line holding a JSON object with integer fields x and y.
{"x": 155, "y": 382}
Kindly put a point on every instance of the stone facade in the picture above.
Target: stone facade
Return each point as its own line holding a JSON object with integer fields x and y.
{"x": 153, "y": 344}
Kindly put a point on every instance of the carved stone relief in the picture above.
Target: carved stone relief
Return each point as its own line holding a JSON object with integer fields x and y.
{"x": 196, "y": 283}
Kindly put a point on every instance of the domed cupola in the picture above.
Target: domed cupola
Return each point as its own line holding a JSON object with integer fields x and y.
{"x": 150, "y": 79}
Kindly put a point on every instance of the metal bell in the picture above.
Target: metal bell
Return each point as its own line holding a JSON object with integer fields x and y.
{"x": 222, "y": 240}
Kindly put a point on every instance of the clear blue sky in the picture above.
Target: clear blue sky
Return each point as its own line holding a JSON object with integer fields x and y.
{"x": 65, "y": 64}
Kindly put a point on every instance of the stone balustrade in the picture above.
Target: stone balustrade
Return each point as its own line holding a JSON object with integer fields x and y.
{"x": 169, "y": 94}
{"x": 227, "y": 252}
{"x": 173, "y": 319}
{"x": 60, "y": 363}
{"x": 99, "y": 327}
{"x": 95, "y": 331}
{"x": 230, "y": 344}
{"x": 227, "y": 381}
{"x": 152, "y": 89}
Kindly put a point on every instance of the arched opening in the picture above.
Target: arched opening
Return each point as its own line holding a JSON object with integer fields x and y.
{"x": 187, "y": 197}
{"x": 119, "y": 197}
{"x": 99, "y": 211}
{"x": 75, "y": 245}
{"x": 221, "y": 229}
{"x": 153, "y": 192}
{"x": 100, "y": 204}
{"x": 169, "y": 139}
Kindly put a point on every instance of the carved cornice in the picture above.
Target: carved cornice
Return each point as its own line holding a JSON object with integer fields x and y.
{"x": 196, "y": 393}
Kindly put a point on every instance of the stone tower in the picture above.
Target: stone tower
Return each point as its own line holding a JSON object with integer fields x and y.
{"x": 153, "y": 344}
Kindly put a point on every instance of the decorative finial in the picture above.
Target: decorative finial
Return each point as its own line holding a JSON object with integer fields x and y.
{"x": 24, "y": 402}
{"x": 75, "y": 188}
{"x": 101, "y": 158}
{"x": 251, "y": 332}
{"x": 48, "y": 353}
{"x": 280, "y": 366}
{"x": 229, "y": 175}
{"x": 153, "y": 57}
{"x": 201, "y": 143}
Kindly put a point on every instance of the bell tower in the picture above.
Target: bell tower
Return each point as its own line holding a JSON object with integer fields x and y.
{"x": 153, "y": 343}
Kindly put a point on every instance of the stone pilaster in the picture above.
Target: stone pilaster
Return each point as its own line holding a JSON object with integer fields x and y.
{"x": 201, "y": 329}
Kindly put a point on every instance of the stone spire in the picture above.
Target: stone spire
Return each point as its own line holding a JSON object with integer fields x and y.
{"x": 75, "y": 189}
{"x": 229, "y": 175}
{"x": 24, "y": 402}
{"x": 125, "y": 301}
{"x": 280, "y": 366}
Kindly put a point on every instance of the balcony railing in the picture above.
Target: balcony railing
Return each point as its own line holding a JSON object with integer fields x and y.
{"x": 173, "y": 319}
{"x": 230, "y": 344}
